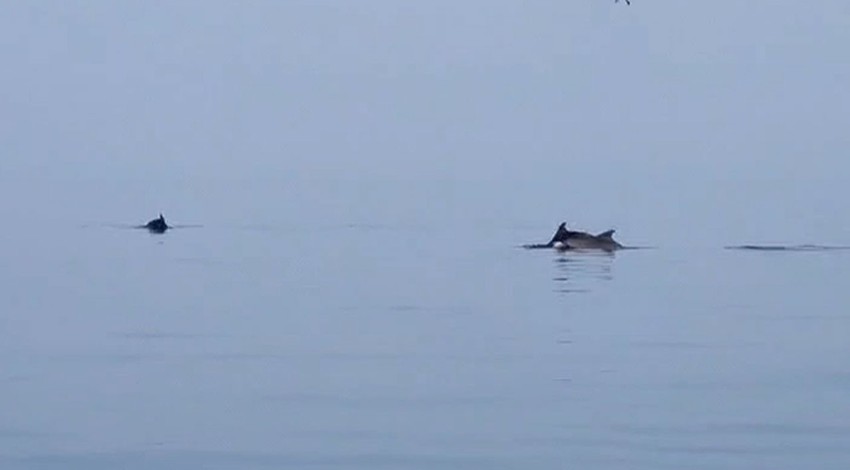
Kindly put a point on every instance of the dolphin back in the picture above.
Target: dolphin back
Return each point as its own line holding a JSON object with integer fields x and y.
{"x": 606, "y": 234}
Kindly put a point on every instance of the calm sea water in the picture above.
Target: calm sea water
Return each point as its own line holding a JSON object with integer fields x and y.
{"x": 414, "y": 344}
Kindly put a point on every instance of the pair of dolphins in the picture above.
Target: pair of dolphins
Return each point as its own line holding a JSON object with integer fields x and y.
{"x": 565, "y": 239}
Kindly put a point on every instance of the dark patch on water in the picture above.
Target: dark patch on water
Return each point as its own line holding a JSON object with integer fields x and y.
{"x": 673, "y": 345}
{"x": 572, "y": 291}
{"x": 405, "y": 308}
{"x": 794, "y": 248}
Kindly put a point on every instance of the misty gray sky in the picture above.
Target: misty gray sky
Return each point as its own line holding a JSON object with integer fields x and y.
{"x": 540, "y": 96}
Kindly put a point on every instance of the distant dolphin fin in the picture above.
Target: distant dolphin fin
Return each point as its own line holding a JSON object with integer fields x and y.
{"x": 606, "y": 234}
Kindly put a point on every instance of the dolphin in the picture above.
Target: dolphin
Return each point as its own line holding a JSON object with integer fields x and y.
{"x": 565, "y": 239}
{"x": 157, "y": 225}
{"x": 585, "y": 241}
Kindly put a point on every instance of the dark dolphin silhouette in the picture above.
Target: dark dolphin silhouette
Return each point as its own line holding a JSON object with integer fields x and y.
{"x": 157, "y": 225}
{"x": 565, "y": 239}
{"x": 628, "y": 2}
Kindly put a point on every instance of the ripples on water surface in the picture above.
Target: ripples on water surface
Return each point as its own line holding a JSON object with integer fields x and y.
{"x": 412, "y": 347}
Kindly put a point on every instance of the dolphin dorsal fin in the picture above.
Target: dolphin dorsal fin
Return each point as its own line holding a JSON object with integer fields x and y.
{"x": 560, "y": 234}
{"x": 606, "y": 234}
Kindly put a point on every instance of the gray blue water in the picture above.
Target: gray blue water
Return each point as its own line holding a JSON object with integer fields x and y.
{"x": 368, "y": 344}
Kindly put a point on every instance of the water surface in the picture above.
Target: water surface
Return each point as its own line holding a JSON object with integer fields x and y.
{"x": 393, "y": 346}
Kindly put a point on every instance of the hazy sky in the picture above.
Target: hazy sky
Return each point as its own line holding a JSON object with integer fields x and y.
{"x": 541, "y": 100}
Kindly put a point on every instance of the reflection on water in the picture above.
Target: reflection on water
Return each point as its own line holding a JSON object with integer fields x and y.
{"x": 581, "y": 271}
